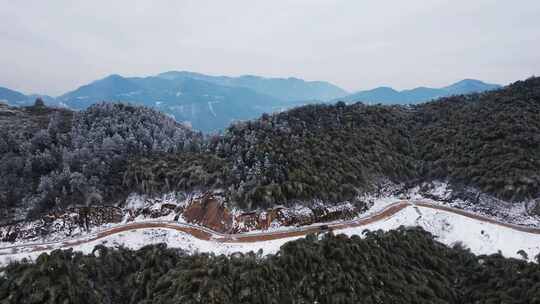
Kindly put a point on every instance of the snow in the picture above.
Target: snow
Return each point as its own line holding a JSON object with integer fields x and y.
{"x": 137, "y": 201}
{"x": 440, "y": 193}
{"x": 211, "y": 107}
{"x": 130, "y": 93}
{"x": 449, "y": 228}
{"x": 342, "y": 207}
{"x": 298, "y": 210}
{"x": 135, "y": 239}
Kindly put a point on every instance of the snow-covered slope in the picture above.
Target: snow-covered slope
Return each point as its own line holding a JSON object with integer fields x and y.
{"x": 449, "y": 228}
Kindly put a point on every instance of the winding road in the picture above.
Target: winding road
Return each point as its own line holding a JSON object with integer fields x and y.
{"x": 210, "y": 235}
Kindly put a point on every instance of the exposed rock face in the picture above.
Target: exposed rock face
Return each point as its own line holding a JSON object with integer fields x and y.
{"x": 207, "y": 210}
{"x": 72, "y": 221}
{"x": 210, "y": 212}
{"x": 257, "y": 220}
{"x": 298, "y": 216}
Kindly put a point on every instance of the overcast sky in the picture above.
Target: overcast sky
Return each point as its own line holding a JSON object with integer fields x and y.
{"x": 54, "y": 46}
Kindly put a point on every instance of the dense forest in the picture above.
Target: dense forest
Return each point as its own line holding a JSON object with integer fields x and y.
{"x": 400, "y": 266}
{"x": 489, "y": 140}
{"x": 335, "y": 152}
{"x": 51, "y": 158}
{"x": 321, "y": 152}
{"x": 54, "y": 157}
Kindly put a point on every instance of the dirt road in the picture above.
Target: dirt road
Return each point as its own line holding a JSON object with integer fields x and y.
{"x": 207, "y": 234}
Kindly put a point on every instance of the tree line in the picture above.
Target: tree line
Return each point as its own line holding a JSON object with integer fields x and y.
{"x": 400, "y": 266}
{"x": 51, "y": 158}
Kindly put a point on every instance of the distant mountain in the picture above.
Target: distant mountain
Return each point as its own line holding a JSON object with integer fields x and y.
{"x": 210, "y": 103}
{"x": 16, "y": 98}
{"x": 467, "y": 86}
{"x": 287, "y": 89}
{"x": 110, "y": 88}
{"x": 387, "y": 95}
{"x": 204, "y": 105}
{"x": 12, "y": 97}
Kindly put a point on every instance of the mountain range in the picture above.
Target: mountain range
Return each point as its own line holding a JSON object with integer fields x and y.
{"x": 210, "y": 103}
{"x": 388, "y": 95}
{"x": 464, "y": 168}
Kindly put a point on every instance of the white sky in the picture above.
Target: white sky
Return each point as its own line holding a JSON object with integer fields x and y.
{"x": 54, "y": 46}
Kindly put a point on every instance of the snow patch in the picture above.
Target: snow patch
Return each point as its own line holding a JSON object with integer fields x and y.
{"x": 449, "y": 228}
{"x": 135, "y": 239}
{"x": 211, "y": 107}
{"x": 138, "y": 201}
{"x": 132, "y": 93}
{"x": 473, "y": 200}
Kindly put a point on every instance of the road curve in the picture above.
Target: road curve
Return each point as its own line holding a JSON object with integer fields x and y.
{"x": 204, "y": 233}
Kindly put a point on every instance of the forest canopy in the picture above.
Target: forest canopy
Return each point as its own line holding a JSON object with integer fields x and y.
{"x": 51, "y": 158}
{"x": 400, "y": 266}
{"x": 335, "y": 152}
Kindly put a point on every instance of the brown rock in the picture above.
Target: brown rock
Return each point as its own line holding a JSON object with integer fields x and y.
{"x": 165, "y": 207}
{"x": 209, "y": 212}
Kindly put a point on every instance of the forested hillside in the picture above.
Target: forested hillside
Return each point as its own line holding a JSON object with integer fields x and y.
{"x": 51, "y": 158}
{"x": 330, "y": 153}
{"x": 489, "y": 140}
{"x": 335, "y": 152}
{"x": 313, "y": 152}
{"x": 399, "y": 266}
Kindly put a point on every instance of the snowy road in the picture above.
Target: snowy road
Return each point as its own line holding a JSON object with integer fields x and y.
{"x": 447, "y": 223}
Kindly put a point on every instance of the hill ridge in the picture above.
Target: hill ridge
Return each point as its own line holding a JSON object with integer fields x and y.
{"x": 389, "y": 95}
